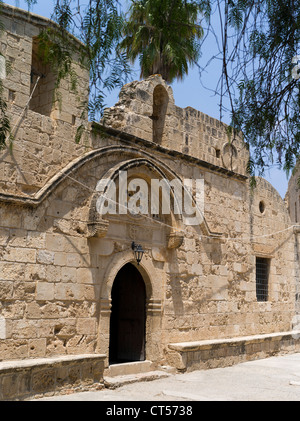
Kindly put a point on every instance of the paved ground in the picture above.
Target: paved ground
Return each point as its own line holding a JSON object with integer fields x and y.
{"x": 272, "y": 379}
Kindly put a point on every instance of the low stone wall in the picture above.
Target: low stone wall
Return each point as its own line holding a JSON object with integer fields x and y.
{"x": 26, "y": 378}
{"x": 202, "y": 355}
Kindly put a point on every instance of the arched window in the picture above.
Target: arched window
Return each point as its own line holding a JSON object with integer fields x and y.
{"x": 160, "y": 105}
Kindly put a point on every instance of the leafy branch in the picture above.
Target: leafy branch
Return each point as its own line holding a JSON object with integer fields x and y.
{"x": 259, "y": 40}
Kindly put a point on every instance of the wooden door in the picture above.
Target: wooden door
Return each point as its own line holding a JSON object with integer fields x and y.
{"x": 127, "y": 322}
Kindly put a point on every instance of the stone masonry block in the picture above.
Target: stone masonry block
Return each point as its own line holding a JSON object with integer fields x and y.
{"x": 45, "y": 291}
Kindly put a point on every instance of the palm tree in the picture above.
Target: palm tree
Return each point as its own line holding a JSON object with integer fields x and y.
{"x": 165, "y": 35}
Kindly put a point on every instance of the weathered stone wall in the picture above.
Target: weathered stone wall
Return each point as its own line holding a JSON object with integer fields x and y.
{"x": 211, "y": 290}
{"x": 42, "y": 144}
{"x": 185, "y": 130}
{"x": 292, "y": 199}
{"x": 54, "y": 278}
{"x": 59, "y": 257}
{"x": 297, "y": 272}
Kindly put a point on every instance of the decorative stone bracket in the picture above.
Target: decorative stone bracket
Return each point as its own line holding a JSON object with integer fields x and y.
{"x": 175, "y": 239}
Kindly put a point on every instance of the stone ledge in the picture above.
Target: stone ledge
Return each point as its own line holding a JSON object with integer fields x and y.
{"x": 21, "y": 379}
{"x": 206, "y": 344}
{"x": 197, "y": 355}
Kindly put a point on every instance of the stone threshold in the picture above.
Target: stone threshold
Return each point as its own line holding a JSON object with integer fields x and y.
{"x": 21, "y": 379}
{"x": 122, "y": 369}
{"x": 122, "y": 380}
{"x": 117, "y": 375}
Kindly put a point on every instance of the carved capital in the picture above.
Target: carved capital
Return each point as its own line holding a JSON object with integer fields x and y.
{"x": 154, "y": 307}
{"x": 105, "y": 306}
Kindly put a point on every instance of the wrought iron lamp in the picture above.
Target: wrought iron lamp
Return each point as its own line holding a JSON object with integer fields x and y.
{"x": 138, "y": 252}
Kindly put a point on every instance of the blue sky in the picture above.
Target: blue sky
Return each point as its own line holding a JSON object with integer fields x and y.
{"x": 190, "y": 92}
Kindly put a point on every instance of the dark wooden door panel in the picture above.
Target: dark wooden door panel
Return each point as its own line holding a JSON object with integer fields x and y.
{"x": 127, "y": 327}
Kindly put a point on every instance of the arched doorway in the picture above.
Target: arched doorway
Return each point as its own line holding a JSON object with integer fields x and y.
{"x": 128, "y": 317}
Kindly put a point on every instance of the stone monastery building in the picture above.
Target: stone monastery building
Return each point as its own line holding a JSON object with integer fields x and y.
{"x": 75, "y": 302}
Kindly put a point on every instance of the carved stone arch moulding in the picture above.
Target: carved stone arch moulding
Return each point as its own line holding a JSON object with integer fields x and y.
{"x": 98, "y": 225}
{"x": 146, "y": 269}
{"x": 153, "y": 282}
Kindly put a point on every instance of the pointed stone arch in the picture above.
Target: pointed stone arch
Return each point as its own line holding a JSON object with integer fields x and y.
{"x": 154, "y": 300}
{"x": 128, "y": 317}
{"x": 98, "y": 222}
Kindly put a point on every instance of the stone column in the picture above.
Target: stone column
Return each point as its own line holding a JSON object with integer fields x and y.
{"x": 104, "y": 328}
{"x": 153, "y": 330}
